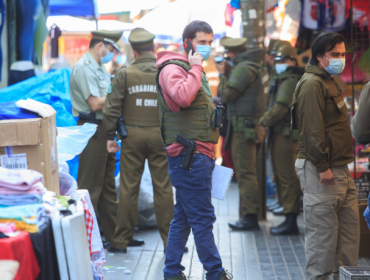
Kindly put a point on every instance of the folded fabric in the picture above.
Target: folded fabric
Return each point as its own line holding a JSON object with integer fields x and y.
{"x": 14, "y": 200}
{"x": 30, "y": 213}
{"x": 37, "y": 189}
{"x": 20, "y": 179}
{"x": 8, "y": 227}
{"x": 21, "y": 225}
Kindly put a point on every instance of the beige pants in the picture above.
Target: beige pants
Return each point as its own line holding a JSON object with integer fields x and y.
{"x": 331, "y": 220}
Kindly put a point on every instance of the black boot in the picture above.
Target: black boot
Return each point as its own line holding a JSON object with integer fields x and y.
{"x": 289, "y": 227}
{"x": 248, "y": 222}
{"x": 135, "y": 242}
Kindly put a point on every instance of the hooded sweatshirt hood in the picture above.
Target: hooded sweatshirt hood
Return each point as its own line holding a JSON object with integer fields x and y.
{"x": 165, "y": 56}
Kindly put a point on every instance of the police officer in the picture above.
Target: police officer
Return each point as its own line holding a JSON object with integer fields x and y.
{"x": 270, "y": 62}
{"x": 133, "y": 95}
{"x": 89, "y": 86}
{"x": 244, "y": 93}
{"x": 283, "y": 142}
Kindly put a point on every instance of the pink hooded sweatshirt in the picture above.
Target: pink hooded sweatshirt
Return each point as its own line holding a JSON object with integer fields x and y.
{"x": 179, "y": 89}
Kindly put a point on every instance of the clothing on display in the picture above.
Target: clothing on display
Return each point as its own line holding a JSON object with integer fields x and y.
{"x": 13, "y": 200}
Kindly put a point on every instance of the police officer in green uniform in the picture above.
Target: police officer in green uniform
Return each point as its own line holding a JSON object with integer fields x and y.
{"x": 133, "y": 95}
{"x": 283, "y": 142}
{"x": 89, "y": 86}
{"x": 272, "y": 51}
{"x": 244, "y": 93}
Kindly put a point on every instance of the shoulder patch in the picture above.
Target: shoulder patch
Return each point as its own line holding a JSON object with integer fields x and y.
{"x": 110, "y": 89}
{"x": 86, "y": 62}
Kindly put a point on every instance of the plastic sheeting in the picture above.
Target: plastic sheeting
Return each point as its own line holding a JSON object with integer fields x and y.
{"x": 51, "y": 88}
{"x": 10, "y": 111}
{"x": 77, "y": 8}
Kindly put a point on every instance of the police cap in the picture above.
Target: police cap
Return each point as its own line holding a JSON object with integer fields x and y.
{"x": 271, "y": 44}
{"x": 232, "y": 44}
{"x": 141, "y": 38}
{"x": 277, "y": 45}
{"x": 286, "y": 52}
{"x": 111, "y": 37}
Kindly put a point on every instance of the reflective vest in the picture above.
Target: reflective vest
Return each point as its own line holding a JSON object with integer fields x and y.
{"x": 194, "y": 122}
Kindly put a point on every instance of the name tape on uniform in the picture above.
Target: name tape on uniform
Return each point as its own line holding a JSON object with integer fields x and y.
{"x": 142, "y": 88}
{"x": 147, "y": 102}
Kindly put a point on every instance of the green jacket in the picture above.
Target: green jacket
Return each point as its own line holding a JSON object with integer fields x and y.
{"x": 320, "y": 114}
{"x": 250, "y": 78}
{"x": 360, "y": 122}
{"x": 281, "y": 95}
{"x": 132, "y": 95}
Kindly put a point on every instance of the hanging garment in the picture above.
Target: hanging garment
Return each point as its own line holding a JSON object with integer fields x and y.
{"x": 328, "y": 15}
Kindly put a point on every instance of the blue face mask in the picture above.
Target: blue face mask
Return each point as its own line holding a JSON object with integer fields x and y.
{"x": 336, "y": 65}
{"x": 109, "y": 56}
{"x": 204, "y": 51}
{"x": 280, "y": 68}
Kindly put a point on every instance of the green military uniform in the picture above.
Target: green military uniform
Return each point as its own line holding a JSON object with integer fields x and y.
{"x": 96, "y": 165}
{"x": 133, "y": 94}
{"x": 283, "y": 142}
{"x": 272, "y": 49}
{"x": 245, "y": 94}
{"x": 330, "y": 211}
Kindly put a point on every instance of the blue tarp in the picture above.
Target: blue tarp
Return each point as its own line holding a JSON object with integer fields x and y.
{"x": 76, "y": 8}
{"x": 51, "y": 88}
{"x": 10, "y": 111}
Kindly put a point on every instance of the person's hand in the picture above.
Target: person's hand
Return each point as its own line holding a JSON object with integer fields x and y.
{"x": 195, "y": 59}
{"x": 221, "y": 67}
{"x": 112, "y": 146}
{"x": 327, "y": 177}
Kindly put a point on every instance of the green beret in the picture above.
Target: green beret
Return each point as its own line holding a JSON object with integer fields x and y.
{"x": 140, "y": 38}
{"x": 112, "y": 37}
{"x": 231, "y": 44}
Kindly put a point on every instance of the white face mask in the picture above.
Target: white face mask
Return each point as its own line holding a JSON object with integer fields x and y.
{"x": 336, "y": 65}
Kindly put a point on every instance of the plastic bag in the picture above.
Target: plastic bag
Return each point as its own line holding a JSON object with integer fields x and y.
{"x": 146, "y": 218}
{"x": 72, "y": 140}
{"x": 67, "y": 184}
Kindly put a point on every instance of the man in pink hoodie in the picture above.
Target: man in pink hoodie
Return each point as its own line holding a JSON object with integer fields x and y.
{"x": 186, "y": 108}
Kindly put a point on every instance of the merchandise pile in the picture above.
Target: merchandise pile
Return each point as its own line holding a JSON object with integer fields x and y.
{"x": 21, "y": 205}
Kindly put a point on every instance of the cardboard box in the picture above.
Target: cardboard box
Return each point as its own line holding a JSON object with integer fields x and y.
{"x": 31, "y": 143}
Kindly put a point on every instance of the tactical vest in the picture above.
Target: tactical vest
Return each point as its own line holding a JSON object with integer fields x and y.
{"x": 194, "y": 122}
{"x": 251, "y": 103}
{"x": 140, "y": 107}
{"x": 282, "y": 91}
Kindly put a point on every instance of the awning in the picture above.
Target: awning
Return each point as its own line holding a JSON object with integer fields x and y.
{"x": 77, "y": 8}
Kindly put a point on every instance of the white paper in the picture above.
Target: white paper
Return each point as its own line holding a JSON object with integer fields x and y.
{"x": 221, "y": 178}
{"x": 16, "y": 161}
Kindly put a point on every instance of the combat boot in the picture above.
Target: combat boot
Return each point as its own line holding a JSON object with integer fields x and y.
{"x": 288, "y": 227}
{"x": 248, "y": 222}
{"x": 181, "y": 276}
{"x": 225, "y": 275}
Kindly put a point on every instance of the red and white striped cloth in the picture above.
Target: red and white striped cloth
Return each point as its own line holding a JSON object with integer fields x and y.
{"x": 89, "y": 222}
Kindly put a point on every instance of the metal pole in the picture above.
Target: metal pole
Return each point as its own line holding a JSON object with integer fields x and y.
{"x": 353, "y": 88}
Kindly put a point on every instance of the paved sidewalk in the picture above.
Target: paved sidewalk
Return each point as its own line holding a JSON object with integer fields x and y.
{"x": 248, "y": 255}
